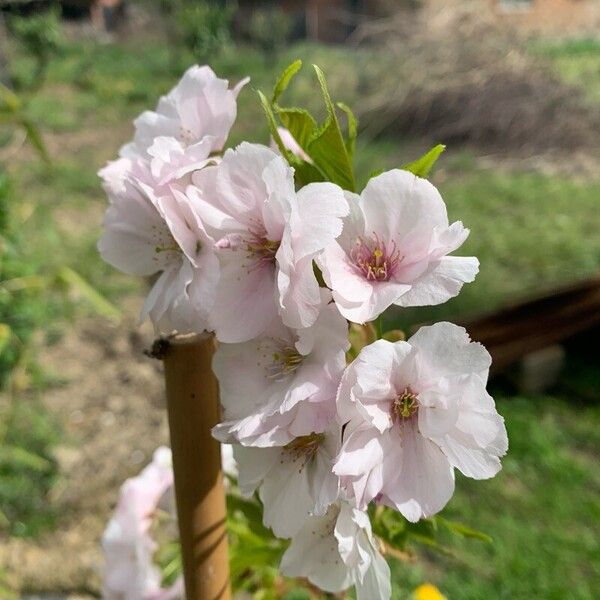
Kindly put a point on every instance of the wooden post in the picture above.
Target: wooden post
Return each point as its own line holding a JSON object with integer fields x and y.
{"x": 193, "y": 407}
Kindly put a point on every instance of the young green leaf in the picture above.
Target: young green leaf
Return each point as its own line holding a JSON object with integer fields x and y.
{"x": 464, "y": 530}
{"x": 352, "y": 127}
{"x": 422, "y": 166}
{"x": 73, "y": 282}
{"x": 284, "y": 79}
{"x": 273, "y": 127}
{"x": 327, "y": 146}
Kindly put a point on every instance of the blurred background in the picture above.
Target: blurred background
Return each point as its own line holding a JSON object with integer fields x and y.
{"x": 512, "y": 87}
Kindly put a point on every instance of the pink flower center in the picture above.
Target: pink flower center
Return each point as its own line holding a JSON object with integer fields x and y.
{"x": 375, "y": 259}
{"x": 303, "y": 448}
{"x": 405, "y": 405}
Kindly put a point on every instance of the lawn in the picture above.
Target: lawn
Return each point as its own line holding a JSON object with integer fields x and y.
{"x": 530, "y": 231}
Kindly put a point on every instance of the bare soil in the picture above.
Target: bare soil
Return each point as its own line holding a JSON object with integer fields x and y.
{"x": 111, "y": 407}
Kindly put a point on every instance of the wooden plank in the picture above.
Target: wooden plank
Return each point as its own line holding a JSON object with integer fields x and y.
{"x": 533, "y": 324}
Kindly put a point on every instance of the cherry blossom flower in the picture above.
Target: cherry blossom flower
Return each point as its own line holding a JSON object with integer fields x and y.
{"x": 201, "y": 105}
{"x": 338, "y": 550}
{"x": 282, "y": 385}
{"x": 270, "y": 235}
{"x": 415, "y": 411}
{"x": 294, "y": 480}
{"x": 130, "y": 573}
{"x": 152, "y": 229}
{"x": 393, "y": 249}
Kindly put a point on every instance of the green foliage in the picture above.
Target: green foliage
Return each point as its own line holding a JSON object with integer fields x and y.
{"x": 398, "y": 534}
{"x": 204, "y": 27}
{"x": 331, "y": 152}
{"x": 268, "y": 29}
{"x": 13, "y": 114}
{"x": 7, "y": 591}
{"x": 254, "y": 552}
{"x": 27, "y": 467}
{"x": 40, "y": 35}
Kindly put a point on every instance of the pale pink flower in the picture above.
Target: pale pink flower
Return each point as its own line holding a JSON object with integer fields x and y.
{"x": 338, "y": 550}
{"x": 269, "y": 236}
{"x": 200, "y": 105}
{"x": 415, "y": 411}
{"x": 294, "y": 481}
{"x": 130, "y": 573}
{"x": 393, "y": 249}
{"x": 172, "y": 161}
{"x": 282, "y": 384}
{"x": 151, "y": 229}
{"x": 289, "y": 141}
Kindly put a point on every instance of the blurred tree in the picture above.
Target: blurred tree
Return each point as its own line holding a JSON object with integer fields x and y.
{"x": 269, "y": 29}
{"x": 202, "y": 26}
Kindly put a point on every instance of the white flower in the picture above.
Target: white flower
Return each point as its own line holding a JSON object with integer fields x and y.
{"x": 336, "y": 551}
{"x": 416, "y": 410}
{"x": 201, "y": 105}
{"x": 294, "y": 481}
{"x": 269, "y": 235}
{"x": 282, "y": 384}
{"x": 152, "y": 229}
{"x": 393, "y": 249}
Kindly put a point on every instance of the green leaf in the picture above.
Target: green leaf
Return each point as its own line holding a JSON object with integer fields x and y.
{"x": 35, "y": 139}
{"x": 284, "y": 80}
{"x": 352, "y": 128}
{"x": 273, "y": 127}
{"x": 464, "y": 530}
{"x": 327, "y": 146}
{"x": 75, "y": 282}
{"x": 252, "y": 510}
{"x": 5, "y": 335}
{"x": 423, "y": 165}
{"x": 299, "y": 123}
{"x": 15, "y": 455}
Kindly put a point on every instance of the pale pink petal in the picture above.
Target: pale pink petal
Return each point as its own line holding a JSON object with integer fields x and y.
{"x": 446, "y": 349}
{"x": 443, "y": 280}
{"x": 398, "y": 202}
{"x": 425, "y": 478}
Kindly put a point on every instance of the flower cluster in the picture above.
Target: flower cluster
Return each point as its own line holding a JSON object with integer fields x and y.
{"x": 277, "y": 270}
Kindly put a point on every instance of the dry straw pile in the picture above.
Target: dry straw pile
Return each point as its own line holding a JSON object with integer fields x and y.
{"x": 454, "y": 76}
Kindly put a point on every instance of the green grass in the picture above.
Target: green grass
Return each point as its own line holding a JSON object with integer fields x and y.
{"x": 529, "y": 230}
{"x": 576, "y": 61}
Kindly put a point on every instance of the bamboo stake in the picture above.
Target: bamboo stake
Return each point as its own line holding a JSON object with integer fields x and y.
{"x": 193, "y": 407}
